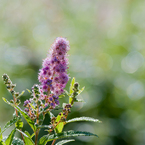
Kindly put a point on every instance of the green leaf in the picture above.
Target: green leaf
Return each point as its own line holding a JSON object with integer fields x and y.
{"x": 10, "y": 123}
{"x": 10, "y": 137}
{"x": 16, "y": 141}
{"x": 66, "y": 92}
{"x": 32, "y": 135}
{"x": 70, "y": 100}
{"x": 21, "y": 94}
{"x": 83, "y": 119}
{"x": 28, "y": 140}
{"x": 19, "y": 124}
{"x": 72, "y": 85}
{"x": 1, "y": 137}
{"x": 51, "y": 114}
{"x": 44, "y": 126}
{"x": 29, "y": 91}
{"x": 60, "y": 126}
{"x": 27, "y": 133}
{"x": 29, "y": 121}
{"x": 81, "y": 90}
{"x": 46, "y": 138}
{"x": 2, "y": 143}
{"x": 32, "y": 106}
{"x": 61, "y": 96}
{"x": 64, "y": 141}
{"x": 21, "y": 132}
{"x": 79, "y": 100}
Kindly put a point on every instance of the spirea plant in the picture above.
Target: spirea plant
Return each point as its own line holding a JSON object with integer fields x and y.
{"x": 44, "y": 98}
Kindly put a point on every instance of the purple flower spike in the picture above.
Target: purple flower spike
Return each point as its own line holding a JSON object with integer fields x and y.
{"x": 55, "y": 66}
{"x": 53, "y": 75}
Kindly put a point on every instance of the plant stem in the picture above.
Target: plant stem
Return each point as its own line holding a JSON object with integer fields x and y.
{"x": 17, "y": 116}
{"x": 37, "y": 121}
{"x": 36, "y": 136}
{"x": 53, "y": 142}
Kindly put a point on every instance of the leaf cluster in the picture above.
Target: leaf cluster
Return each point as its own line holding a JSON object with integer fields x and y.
{"x": 54, "y": 129}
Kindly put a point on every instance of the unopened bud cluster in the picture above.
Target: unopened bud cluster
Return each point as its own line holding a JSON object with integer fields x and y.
{"x": 75, "y": 92}
{"x": 66, "y": 110}
{"x": 10, "y": 87}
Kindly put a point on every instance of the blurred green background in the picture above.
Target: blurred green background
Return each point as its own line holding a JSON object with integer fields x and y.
{"x": 107, "y": 41}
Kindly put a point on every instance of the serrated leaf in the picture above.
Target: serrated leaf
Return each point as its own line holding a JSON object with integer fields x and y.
{"x": 72, "y": 85}
{"x": 64, "y": 141}
{"x": 19, "y": 124}
{"x": 44, "y": 126}
{"x": 46, "y": 138}
{"x": 10, "y": 137}
{"x": 21, "y": 94}
{"x": 60, "y": 126}
{"x": 83, "y": 119}
{"x": 29, "y": 121}
{"x": 10, "y": 123}
{"x": 28, "y": 140}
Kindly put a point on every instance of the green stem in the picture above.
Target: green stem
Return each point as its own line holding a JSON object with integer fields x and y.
{"x": 17, "y": 116}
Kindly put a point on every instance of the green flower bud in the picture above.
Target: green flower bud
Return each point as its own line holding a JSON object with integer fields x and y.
{"x": 11, "y": 101}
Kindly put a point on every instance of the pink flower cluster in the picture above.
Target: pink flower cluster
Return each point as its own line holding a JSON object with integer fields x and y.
{"x": 53, "y": 76}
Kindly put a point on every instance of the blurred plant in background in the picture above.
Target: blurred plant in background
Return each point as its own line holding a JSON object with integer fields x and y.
{"x": 107, "y": 38}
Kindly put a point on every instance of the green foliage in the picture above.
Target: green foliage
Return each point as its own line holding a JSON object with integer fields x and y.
{"x": 19, "y": 124}
{"x": 28, "y": 140}
{"x": 1, "y": 137}
{"x": 2, "y": 143}
{"x": 83, "y": 119}
{"x": 65, "y": 134}
{"x": 81, "y": 90}
{"x": 21, "y": 94}
{"x": 74, "y": 92}
{"x": 44, "y": 126}
{"x": 60, "y": 126}
{"x": 22, "y": 132}
{"x": 56, "y": 125}
{"x": 64, "y": 141}
{"x": 29, "y": 121}
{"x": 72, "y": 85}
{"x": 16, "y": 141}
{"x": 9, "y": 123}
{"x": 10, "y": 137}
